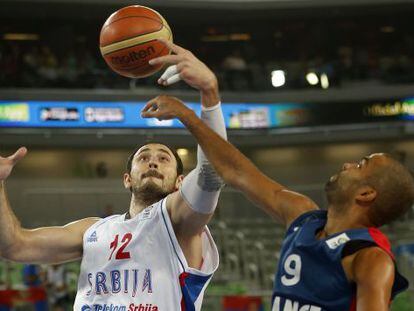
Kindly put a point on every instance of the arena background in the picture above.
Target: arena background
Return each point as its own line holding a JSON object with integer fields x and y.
{"x": 306, "y": 85}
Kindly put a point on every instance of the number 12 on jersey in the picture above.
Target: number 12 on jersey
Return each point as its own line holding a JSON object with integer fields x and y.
{"x": 120, "y": 254}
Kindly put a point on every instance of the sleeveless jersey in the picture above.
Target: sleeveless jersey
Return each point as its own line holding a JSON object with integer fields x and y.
{"x": 310, "y": 275}
{"x": 137, "y": 265}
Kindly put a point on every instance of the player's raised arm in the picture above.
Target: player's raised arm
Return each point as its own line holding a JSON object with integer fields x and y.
{"x": 192, "y": 207}
{"x": 43, "y": 245}
{"x": 236, "y": 170}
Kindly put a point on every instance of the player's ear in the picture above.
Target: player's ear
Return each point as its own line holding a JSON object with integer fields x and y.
{"x": 366, "y": 195}
{"x": 179, "y": 182}
{"x": 127, "y": 181}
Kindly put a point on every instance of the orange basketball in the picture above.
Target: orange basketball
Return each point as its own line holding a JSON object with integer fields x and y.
{"x": 128, "y": 40}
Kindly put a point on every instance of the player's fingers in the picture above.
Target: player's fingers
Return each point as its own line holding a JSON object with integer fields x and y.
{"x": 171, "y": 71}
{"x": 182, "y": 65}
{"x": 167, "y": 59}
{"x": 173, "y": 47}
{"x": 145, "y": 109}
{"x": 150, "y": 113}
{"x": 171, "y": 80}
{"x": 150, "y": 106}
{"x": 18, "y": 155}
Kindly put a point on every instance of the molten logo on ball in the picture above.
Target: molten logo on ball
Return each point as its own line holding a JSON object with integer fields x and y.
{"x": 133, "y": 56}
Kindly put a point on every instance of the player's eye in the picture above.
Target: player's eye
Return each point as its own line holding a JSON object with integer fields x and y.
{"x": 143, "y": 158}
{"x": 164, "y": 159}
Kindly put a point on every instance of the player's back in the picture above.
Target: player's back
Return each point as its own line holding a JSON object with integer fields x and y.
{"x": 310, "y": 275}
{"x": 137, "y": 264}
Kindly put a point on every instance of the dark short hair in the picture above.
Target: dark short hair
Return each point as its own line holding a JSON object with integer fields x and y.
{"x": 394, "y": 184}
{"x": 180, "y": 166}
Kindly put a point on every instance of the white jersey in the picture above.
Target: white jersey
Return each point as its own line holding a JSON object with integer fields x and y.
{"x": 138, "y": 265}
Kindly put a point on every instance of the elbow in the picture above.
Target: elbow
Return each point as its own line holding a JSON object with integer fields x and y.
{"x": 234, "y": 179}
{"x": 231, "y": 174}
{"x": 12, "y": 251}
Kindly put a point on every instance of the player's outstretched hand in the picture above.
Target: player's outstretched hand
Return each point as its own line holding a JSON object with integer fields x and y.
{"x": 184, "y": 66}
{"x": 7, "y": 164}
{"x": 164, "y": 107}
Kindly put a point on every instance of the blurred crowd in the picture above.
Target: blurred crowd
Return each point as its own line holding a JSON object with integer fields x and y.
{"x": 37, "y": 65}
{"x": 41, "y": 288}
{"x": 344, "y": 51}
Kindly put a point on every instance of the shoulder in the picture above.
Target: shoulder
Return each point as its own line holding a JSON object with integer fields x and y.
{"x": 302, "y": 219}
{"x": 373, "y": 273}
{"x": 87, "y": 222}
{"x": 372, "y": 265}
{"x": 80, "y": 226}
{"x": 374, "y": 255}
{"x": 294, "y": 204}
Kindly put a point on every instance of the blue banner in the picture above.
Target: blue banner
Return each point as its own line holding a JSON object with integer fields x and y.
{"x": 88, "y": 114}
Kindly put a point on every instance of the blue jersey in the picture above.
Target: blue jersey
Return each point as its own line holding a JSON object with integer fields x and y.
{"x": 310, "y": 275}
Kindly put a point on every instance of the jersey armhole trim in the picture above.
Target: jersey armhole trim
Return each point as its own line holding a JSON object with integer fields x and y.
{"x": 96, "y": 225}
{"x": 354, "y": 246}
{"x": 176, "y": 246}
{"x": 296, "y": 222}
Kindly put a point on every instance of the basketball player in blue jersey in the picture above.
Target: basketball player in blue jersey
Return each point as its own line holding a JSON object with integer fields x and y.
{"x": 334, "y": 260}
{"x": 159, "y": 256}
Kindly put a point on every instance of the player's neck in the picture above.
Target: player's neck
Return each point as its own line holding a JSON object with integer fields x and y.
{"x": 339, "y": 222}
{"x": 138, "y": 204}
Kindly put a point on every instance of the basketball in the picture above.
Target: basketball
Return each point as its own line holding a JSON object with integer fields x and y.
{"x": 128, "y": 40}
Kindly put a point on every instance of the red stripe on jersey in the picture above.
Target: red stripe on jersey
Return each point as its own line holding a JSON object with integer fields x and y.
{"x": 182, "y": 278}
{"x": 381, "y": 240}
{"x": 353, "y": 303}
{"x": 182, "y": 304}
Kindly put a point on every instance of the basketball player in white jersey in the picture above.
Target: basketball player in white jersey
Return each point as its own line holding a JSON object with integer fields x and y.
{"x": 160, "y": 254}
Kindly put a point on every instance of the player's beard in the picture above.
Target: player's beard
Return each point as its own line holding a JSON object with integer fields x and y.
{"x": 336, "y": 195}
{"x": 150, "y": 193}
{"x": 338, "y": 192}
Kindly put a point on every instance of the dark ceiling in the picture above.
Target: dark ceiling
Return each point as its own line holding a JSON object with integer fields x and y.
{"x": 202, "y": 11}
